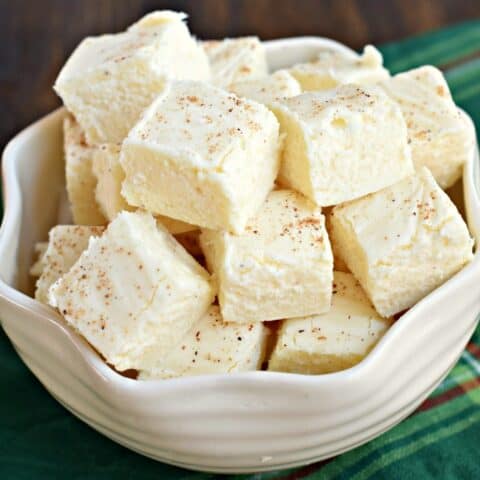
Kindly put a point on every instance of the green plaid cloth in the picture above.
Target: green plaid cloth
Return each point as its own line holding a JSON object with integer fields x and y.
{"x": 39, "y": 439}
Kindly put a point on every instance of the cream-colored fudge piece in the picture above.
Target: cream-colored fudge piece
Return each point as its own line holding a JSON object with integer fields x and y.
{"x": 332, "y": 341}
{"x": 338, "y": 262}
{"x": 109, "y": 80}
{"x": 441, "y": 136}
{"x": 280, "y": 267}
{"x": 269, "y": 89}
{"x": 342, "y": 144}
{"x": 133, "y": 288}
{"x": 110, "y": 176}
{"x": 402, "y": 242}
{"x": 235, "y": 59}
{"x": 201, "y": 155}
{"x": 65, "y": 245}
{"x": 210, "y": 346}
{"x": 335, "y": 67}
{"x": 37, "y": 267}
{"x": 80, "y": 180}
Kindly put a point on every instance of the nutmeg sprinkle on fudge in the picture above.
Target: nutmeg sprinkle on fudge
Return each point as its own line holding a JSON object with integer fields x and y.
{"x": 235, "y": 60}
{"x": 133, "y": 288}
{"x": 201, "y": 155}
{"x": 109, "y": 80}
{"x": 331, "y": 341}
{"x": 280, "y": 267}
{"x": 402, "y": 242}
{"x": 65, "y": 245}
{"x": 342, "y": 144}
{"x": 441, "y": 136}
{"x": 268, "y": 89}
{"x": 210, "y": 346}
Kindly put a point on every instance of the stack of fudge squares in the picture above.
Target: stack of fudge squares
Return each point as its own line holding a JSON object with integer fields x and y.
{"x": 228, "y": 218}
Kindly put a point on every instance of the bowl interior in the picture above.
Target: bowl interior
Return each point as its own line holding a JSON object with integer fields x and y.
{"x": 36, "y": 164}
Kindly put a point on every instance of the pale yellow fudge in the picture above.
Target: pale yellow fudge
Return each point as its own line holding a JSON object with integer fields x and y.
{"x": 269, "y": 89}
{"x": 210, "y": 346}
{"x": 332, "y": 341}
{"x": 133, "y": 288}
{"x": 342, "y": 144}
{"x": 338, "y": 263}
{"x": 402, "y": 242}
{"x": 336, "y": 67}
{"x": 37, "y": 268}
{"x": 280, "y": 267}
{"x": 108, "y": 80}
{"x": 110, "y": 176}
{"x": 201, "y": 155}
{"x": 80, "y": 180}
{"x": 65, "y": 245}
{"x": 235, "y": 59}
{"x": 441, "y": 136}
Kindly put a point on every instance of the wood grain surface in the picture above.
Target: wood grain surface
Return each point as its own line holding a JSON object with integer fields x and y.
{"x": 36, "y": 36}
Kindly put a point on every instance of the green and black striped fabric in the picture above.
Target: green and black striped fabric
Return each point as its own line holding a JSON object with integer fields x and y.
{"x": 441, "y": 440}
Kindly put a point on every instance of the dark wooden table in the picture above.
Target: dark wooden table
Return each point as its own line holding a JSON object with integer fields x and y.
{"x": 36, "y": 36}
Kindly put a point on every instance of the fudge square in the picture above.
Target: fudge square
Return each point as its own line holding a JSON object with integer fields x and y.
{"x": 342, "y": 144}
{"x": 110, "y": 176}
{"x": 80, "y": 180}
{"x": 442, "y": 136}
{"x": 109, "y": 80}
{"x": 133, "y": 288}
{"x": 210, "y": 346}
{"x": 268, "y": 89}
{"x": 280, "y": 267}
{"x": 331, "y": 341}
{"x": 236, "y": 59}
{"x": 402, "y": 242}
{"x": 37, "y": 268}
{"x": 337, "y": 67}
{"x": 201, "y": 155}
{"x": 65, "y": 245}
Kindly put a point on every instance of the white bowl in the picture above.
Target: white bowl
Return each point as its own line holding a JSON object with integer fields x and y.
{"x": 223, "y": 423}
